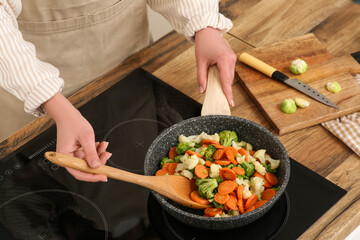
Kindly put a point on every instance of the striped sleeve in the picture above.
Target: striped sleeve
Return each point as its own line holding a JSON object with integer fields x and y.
{"x": 189, "y": 16}
{"x": 21, "y": 73}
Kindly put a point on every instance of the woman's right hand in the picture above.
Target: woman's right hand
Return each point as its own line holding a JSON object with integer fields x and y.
{"x": 75, "y": 137}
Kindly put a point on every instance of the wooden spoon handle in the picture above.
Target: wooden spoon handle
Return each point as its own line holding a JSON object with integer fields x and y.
{"x": 80, "y": 164}
{"x": 215, "y": 102}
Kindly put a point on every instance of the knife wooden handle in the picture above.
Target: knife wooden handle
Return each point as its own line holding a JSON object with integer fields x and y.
{"x": 262, "y": 67}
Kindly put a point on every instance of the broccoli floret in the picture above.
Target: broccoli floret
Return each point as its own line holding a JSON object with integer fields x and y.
{"x": 165, "y": 160}
{"x": 177, "y": 158}
{"x": 219, "y": 179}
{"x": 197, "y": 145}
{"x": 218, "y": 205}
{"x": 226, "y": 137}
{"x": 249, "y": 168}
{"x": 203, "y": 150}
{"x": 209, "y": 152}
{"x": 182, "y": 147}
{"x": 206, "y": 187}
{"x": 277, "y": 188}
{"x": 242, "y": 177}
{"x": 268, "y": 168}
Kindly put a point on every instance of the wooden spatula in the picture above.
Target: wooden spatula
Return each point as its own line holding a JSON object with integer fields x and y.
{"x": 215, "y": 102}
{"x": 177, "y": 188}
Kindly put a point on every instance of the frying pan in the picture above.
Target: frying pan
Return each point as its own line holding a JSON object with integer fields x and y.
{"x": 215, "y": 118}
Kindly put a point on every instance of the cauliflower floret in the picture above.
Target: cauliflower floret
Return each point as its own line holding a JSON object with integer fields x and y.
{"x": 180, "y": 167}
{"x": 251, "y": 159}
{"x": 183, "y": 158}
{"x": 183, "y": 139}
{"x": 191, "y": 162}
{"x": 201, "y": 161}
{"x": 246, "y": 183}
{"x": 246, "y": 193}
{"x": 248, "y": 146}
{"x": 260, "y": 168}
{"x": 214, "y": 170}
{"x": 274, "y": 164}
{"x": 238, "y": 145}
{"x": 260, "y": 154}
{"x": 240, "y": 159}
{"x": 257, "y": 186}
{"x": 187, "y": 174}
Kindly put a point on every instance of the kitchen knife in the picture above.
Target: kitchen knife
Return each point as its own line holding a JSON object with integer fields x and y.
{"x": 277, "y": 75}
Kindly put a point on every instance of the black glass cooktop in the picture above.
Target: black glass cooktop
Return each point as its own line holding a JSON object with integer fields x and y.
{"x": 40, "y": 200}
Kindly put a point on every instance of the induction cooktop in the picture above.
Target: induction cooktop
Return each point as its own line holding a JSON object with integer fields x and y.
{"x": 40, "y": 200}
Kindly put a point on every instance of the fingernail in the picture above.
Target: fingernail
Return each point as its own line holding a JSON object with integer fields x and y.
{"x": 106, "y": 144}
{"x": 104, "y": 180}
{"x": 201, "y": 89}
{"x": 110, "y": 154}
{"x": 232, "y": 103}
{"x": 96, "y": 164}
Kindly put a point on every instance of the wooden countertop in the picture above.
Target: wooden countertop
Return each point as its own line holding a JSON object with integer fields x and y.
{"x": 256, "y": 23}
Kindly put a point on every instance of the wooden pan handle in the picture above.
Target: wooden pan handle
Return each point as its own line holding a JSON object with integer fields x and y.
{"x": 257, "y": 64}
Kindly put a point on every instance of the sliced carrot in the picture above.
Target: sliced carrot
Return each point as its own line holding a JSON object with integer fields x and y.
{"x": 240, "y": 191}
{"x": 222, "y": 162}
{"x": 251, "y": 201}
{"x": 211, "y": 212}
{"x": 204, "y": 146}
{"x": 172, "y": 153}
{"x": 226, "y": 187}
{"x": 259, "y": 203}
{"x": 219, "y": 198}
{"x": 238, "y": 170}
{"x": 226, "y": 208}
{"x": 208, "y": 142}
{"x": 267, "y": 194}
{"x": 171, "y": 168}
{"x": 229, "y": 154}
{"x": 227, "y": 174}
{"x": 233, "y": 150}
{"x": 241, "y": 205}
{"x": 218, "y": 154}
{"x": 208, "y": 163}
{"x": 251, "y": 152}
{"x": 218, "y": 146}
{"x": 193, "y": 153}
{"x": 166, "y": 166}
{"x": 252, "y": 208}
{"x": 266, "y": 183}
{"x": 194, "y": 195}
{"x": 243, "y": 152}
{"x": 233, "y": 194}
{"x": 232, "y": 203}
{"x": 201, "y": 171}
{"x": 271, "y": 178}
{"x": 161, "y": 172}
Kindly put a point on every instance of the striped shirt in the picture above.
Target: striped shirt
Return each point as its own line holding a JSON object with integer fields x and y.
{"x": 34, "y": 81}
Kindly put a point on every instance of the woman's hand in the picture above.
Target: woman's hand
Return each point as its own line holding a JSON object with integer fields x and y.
{"x": 212, "y": 48}
{"x": 75, "y": 137}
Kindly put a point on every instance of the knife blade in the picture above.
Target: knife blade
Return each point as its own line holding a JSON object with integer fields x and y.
{"x": 277, "y": 75}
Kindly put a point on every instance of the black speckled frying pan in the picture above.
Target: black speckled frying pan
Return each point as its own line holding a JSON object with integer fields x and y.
{"x": 210, "y": 122}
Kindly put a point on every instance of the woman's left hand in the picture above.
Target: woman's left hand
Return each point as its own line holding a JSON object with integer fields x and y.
{"x": 212, "y": 48}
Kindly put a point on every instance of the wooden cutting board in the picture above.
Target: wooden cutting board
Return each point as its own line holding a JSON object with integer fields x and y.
{"x": 322, "y": 68}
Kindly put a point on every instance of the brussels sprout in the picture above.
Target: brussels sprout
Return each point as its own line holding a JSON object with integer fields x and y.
{"x": 288, "y": 106}
{"x": 301, "y": 102}
{"x": 298, "y": 66}
{"x": 333, "y": 87}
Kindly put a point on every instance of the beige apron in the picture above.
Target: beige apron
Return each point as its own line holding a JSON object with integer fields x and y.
{"x": 84, "y": 39}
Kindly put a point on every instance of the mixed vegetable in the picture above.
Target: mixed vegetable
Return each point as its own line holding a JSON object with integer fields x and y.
{"x": 229, "y": 176}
